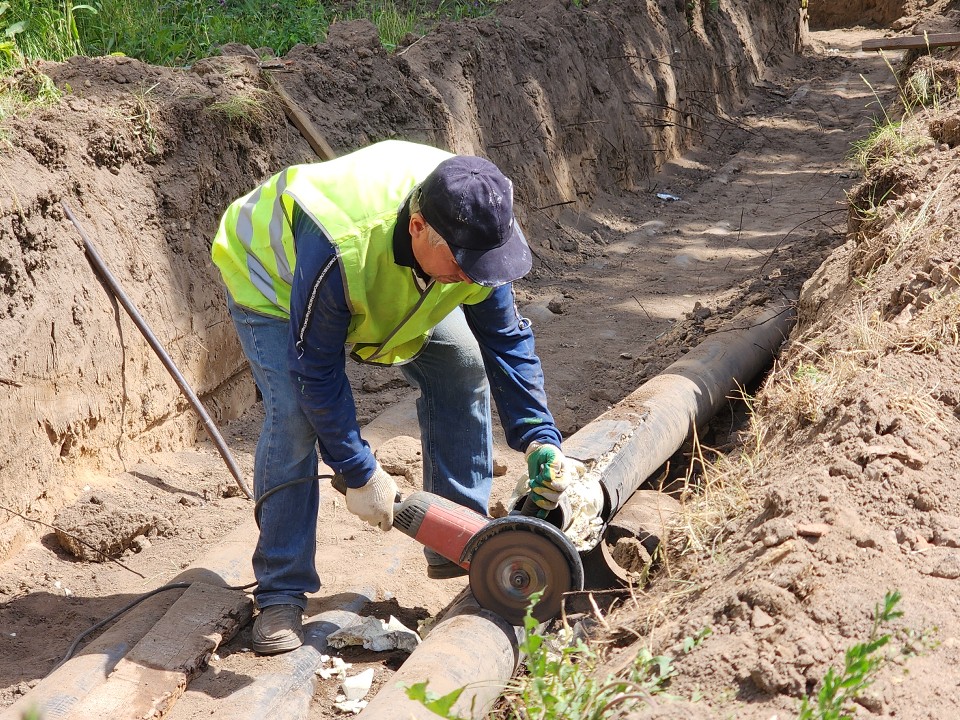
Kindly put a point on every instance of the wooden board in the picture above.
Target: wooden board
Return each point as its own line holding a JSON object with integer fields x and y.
{"x": 154, "y": 674}
{"x": 912, "y": 42}
{"x": 300, "y": 119}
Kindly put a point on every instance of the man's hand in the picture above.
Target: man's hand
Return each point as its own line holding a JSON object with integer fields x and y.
{"x": 374, "y": 501}
{"x": 550, "y": 473}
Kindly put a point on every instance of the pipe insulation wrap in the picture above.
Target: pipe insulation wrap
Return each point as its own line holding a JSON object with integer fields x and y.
{"x": 470, "y": 648}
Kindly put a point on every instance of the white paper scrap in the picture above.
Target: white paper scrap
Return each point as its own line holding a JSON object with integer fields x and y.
{"x": 337, "y": 667}
{"x": 355, "y": 687}
{"x": 350, "y": 706}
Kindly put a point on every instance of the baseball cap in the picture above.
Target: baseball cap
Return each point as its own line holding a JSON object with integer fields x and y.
{"x": 469, "y": 202}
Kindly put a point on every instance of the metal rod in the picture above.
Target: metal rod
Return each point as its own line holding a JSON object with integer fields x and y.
{"x": 113, "y": 286}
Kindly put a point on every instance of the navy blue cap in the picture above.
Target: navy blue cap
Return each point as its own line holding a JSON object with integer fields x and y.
{"x": 469, "y": 202}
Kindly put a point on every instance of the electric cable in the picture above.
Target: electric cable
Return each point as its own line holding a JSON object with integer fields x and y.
{"x": 306, "y": 478}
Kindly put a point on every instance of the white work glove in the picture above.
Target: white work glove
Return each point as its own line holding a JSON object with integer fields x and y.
{"x": 374, "y": 501}
{"x": 550, "y": 472}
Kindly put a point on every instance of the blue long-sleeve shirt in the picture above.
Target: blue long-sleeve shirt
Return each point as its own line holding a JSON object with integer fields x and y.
{"x": 317, "y": 361}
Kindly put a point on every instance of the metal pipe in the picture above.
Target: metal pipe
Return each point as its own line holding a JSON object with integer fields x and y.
{"x": 632, "y": 440}
{"x": 470, "y": 648}
{"x": 281, "y": 693}
{"x": 113, "y": 286}
{"x": 645, "y": 517}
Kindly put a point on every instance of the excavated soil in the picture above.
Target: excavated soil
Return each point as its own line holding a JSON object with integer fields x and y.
{"x": 674, "y": 166}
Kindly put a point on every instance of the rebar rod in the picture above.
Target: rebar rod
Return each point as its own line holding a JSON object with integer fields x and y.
{"x": 103, "y": 272}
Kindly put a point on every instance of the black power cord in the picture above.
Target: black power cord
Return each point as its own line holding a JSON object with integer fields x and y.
{"x": 283, "y": 486}
{"x": 129, "y": 606}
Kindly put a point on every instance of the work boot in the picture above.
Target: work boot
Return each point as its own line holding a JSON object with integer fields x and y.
{"x": 445, "y": 570}
{"x": 277, "y": 629}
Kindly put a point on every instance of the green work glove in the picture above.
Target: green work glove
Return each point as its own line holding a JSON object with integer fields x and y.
{"x": 374, "y": 501}
{"x": 550, "y": 472}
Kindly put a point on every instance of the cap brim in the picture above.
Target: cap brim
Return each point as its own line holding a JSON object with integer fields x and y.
{"x": 499, "y": 266}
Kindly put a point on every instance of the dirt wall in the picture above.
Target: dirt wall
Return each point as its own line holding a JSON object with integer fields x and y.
{"x": 568, "y": 100}
{"x": 919, "y": 16}
{"x": 825, "y": 14}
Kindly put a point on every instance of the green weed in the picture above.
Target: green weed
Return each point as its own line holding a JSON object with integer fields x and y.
{"x": 44, "y": 29}
{"x": 887, "y": 143}
{"x": 925, "y": 87}
{"x": 142, "y": 119}
{"x": 250, "y": 105}
{"x": 25, "y": 89}
{"x": 8, "y": 47}
{"x": 861, "y": 664}
{"x": 713, "y": 492}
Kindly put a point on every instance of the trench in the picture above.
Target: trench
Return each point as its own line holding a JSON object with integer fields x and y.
{"x": 499, "y": 650}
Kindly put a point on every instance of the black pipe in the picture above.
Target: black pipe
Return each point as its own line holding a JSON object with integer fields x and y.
{"x": 629, "y": 442}
{"x": 113, "y": 286}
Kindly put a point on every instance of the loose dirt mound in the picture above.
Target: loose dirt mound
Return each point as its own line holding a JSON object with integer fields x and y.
{"x": 852, "y": 475}
{"x": 932, "y": 16}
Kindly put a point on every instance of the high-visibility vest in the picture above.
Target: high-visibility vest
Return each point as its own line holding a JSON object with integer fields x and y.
{"x": 355, "y": 200}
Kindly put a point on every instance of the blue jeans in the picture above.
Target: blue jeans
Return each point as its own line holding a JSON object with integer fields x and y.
{"x": 456, "y": 433}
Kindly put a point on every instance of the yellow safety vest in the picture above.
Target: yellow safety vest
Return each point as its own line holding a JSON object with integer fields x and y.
{"x": 355, "y": 200}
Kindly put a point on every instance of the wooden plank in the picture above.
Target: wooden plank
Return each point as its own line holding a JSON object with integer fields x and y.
{"x": 912, "y": 42}
{"x": 300, "y": 119}
{"x": 69, "y": 683}
{"x": 154, "y": 674}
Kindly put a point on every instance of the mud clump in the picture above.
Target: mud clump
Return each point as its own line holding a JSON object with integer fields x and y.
{"x": 98, "y": 529}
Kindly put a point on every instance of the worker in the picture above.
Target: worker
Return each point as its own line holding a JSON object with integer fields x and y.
{"x": 401, "y": 254}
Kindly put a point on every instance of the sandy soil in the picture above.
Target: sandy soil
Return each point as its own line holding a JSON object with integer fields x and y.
{"x": 854, "y": 480}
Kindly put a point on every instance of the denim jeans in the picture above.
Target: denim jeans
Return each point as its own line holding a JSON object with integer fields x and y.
{"x": 454, "y": 416}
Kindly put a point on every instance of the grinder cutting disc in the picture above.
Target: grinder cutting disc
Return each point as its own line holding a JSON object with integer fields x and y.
{"x": 515, "y": 556}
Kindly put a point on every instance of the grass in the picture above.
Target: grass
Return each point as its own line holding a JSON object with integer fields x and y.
{"x": 925, "y": 88}
{"x": 887, "y": 143}
{"x": 142, "y": 119}
{"x": 179, "y": 32}
{"x": 714, "y": 491}
{"x": 41, "y": 30}
{"x": 803, "y": 391}
{"x": 249, "y": 105}
{"x": 25, "y": 90}
{"x": 891, "y": 138}
{"x": 806, "y": 388}
{"x": 935, "y": 326}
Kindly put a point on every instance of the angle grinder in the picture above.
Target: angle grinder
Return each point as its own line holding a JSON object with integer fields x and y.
{"x": 508, "y": 559}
